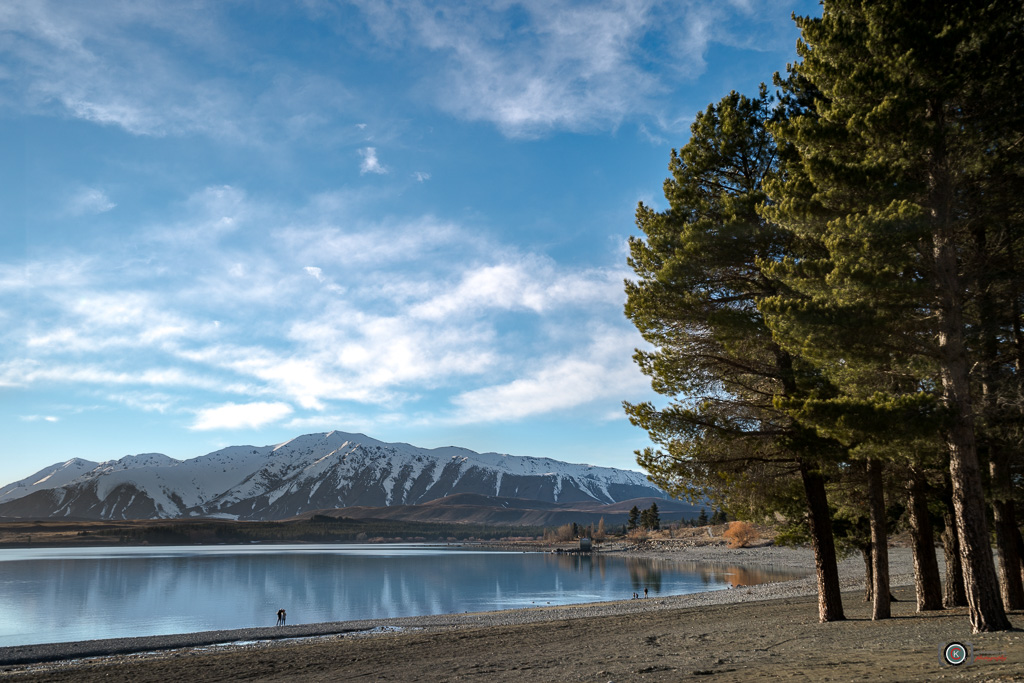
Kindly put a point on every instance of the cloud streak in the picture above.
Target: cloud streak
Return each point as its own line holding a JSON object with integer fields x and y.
{"x": 534, "y": 66}
{"x": 89, "y": 200}
{"x": 240, "y": 416}
{"x": 601, "y": 370}
{"x": 159, "y": 70}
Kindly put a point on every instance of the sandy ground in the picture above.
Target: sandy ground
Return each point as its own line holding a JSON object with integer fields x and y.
{"x": 761, "y": 632}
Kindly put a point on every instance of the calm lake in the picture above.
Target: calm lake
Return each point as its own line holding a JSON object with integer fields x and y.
{"x": 57, "y": 594}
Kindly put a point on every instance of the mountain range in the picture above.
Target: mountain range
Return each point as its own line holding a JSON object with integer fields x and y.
{"x": 310, "y": 473}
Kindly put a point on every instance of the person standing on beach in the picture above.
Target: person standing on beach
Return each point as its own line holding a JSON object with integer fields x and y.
{"x": 280, "y": 617}
{"x": 645, "y": 592}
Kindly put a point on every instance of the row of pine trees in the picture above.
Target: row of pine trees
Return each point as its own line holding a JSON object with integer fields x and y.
{"x": 833, "y": 299}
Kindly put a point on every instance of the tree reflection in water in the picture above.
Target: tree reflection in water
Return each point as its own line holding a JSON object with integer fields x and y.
{"x": 735, "y": 575}
{"x": 645, "y": 572}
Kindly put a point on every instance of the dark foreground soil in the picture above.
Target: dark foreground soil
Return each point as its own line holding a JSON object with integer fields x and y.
{"x": 770, "y": 640}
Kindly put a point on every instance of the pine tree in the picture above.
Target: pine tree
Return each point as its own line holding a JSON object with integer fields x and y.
{"x": 926, "y": 569}
{"x": 917, "y": 105}
{"x": 653, "y": 517}
{"x": 634, "y": 518}
{"x": 700, "y": 277}
{"x": 645, "y": 519}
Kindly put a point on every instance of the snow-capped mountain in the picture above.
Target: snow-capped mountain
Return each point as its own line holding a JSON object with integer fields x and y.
{"x": 47, "y": 478}
{"x": 311, "y": 472}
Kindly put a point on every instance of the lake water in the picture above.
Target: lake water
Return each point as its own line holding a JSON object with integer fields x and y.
{"x": 58, "y": 594}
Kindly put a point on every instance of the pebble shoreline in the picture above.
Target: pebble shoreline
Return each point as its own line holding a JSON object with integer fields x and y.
{"x": 851, "y": 574}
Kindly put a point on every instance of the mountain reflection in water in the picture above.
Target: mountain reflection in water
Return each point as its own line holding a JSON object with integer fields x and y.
{"x": 63, "y": 594}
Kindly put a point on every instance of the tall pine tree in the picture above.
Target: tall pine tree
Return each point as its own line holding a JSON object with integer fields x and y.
{"x": 695, "y": 299}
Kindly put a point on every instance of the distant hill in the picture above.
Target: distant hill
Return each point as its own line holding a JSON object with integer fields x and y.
{"x": 479, "y": 509}
{"x": 318, "y": 472}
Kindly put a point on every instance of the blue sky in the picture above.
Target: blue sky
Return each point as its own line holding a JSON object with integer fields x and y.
{"x": 237, "y": 222}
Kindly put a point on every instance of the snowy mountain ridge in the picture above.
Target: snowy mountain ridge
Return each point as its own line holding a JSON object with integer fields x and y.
{"x": 310, "y": 472}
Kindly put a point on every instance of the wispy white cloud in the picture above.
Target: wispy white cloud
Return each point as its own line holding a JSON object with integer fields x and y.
{"x": 599, "y": 371}
{"x": 209, "y": 215}
{"x": 421, "y": 176}
{"x": 377, "y": 359}
{"x": 384, "y": 244}
{"x": 89, "y": 200}
{"x": 351, "y": 422}
{"x": 46, "y": 275}
{"x": 653, "y": 138}
{"x": 532, "y": 284}
{"x": 92, "y": 63}
{"x": 101, "y": 321}
{"x": 564, "y": 384}
{"x": 39, "y": 418}
{"x": 370, "y": 162}
{"x": 148, "y": 401}
{"x": 240, "y": 416}
{"x": 30, "y": 372}
{"x": 158, "y": 70}
{"x": 574, "y": 69}
{"x": 539, "y": 65}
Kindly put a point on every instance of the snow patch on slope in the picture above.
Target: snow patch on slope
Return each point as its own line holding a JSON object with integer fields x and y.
{"x": 51, "y": 477}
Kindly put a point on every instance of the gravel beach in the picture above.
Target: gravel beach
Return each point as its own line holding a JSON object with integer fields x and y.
{"x": 767, "y": 630}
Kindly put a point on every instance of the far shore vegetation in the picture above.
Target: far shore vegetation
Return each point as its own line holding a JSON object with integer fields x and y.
{"x": 319, "y": 529}
{"x": 331, "y": 529}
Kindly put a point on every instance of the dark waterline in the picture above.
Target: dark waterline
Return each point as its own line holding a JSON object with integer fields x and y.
{"x": 60, "y": 594}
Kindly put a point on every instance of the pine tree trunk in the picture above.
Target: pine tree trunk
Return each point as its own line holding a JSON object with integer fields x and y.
{"x": 1012, "y": 590}
{"x": 1006, "y": 541}
{"x": 830, "y": 600}
{"x": 926, "y": 568}
{"x": 1020, "y": 549}
{"x": 981, "y": 584}
{"x": 980, "y": 581}
{"x": 1018, "y": 366}
{"x": 954, "y": 595}
{"x": 869, "y": 576}
{"x": 880, "y": 607}
{"x": 984, "y": 602}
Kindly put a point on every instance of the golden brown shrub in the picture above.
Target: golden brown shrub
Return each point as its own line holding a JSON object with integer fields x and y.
{"x": 741, "y": 534}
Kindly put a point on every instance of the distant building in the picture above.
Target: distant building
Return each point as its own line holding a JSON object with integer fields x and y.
{"x": 585, "y": 545}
